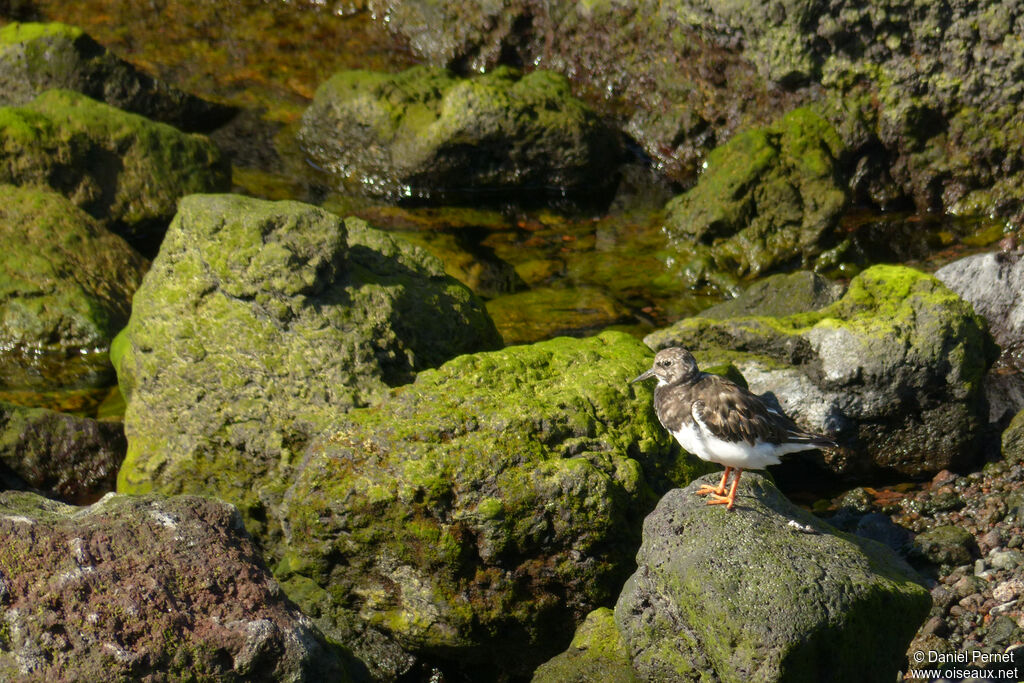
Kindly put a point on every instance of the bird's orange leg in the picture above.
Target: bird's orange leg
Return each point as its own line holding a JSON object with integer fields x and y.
{"x": 717, "y": 490}
{"x": 730, "y": 500}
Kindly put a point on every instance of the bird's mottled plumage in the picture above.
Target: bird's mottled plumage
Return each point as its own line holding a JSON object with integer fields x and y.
{"x": 719, "y": 421}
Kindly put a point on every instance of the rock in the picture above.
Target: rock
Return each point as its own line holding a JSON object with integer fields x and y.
{"x": 38, "y": 57}
{"x": 1013, "y": 440}
{"x": 994, "y": 284}
{"x": 479, "y": 513}
{"x": 66, "y": 285}
{"x": 425, "y": 132}
{"x": 893, "y": 370}
{"x": 1006, "y": 559}
{"x": 1008, "y": 590}
{"x": 743, "y": 595}
{"x": 123, "y": 169}
{"x": 779, "y": 295}
{"x": 145, "y": 588}
{"x": 596, "y": 653}
{"x": 260, "y": 324}
{"x": 71, "y": 458}
{"x": 945, "y": 544}
{"x": 547, "y": 312}
{"x": 770, "y": 198}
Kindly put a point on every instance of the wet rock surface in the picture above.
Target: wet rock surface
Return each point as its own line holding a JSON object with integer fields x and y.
{"x": 74, "y": 459}
{"x": 425, "y": 132}
{"x": 65, "y": 289}
{"x": 763, "y": 592}
{"x": 145, "y": 588}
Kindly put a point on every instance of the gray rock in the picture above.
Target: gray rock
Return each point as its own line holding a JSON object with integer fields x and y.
{"x": 893, "y": 369}
{"x": 39, "y": 57}
{"x": 744, "y": 595}
{"x": 64, "y": 456}
{"x": 1006, "y": 559}
{"x": 260, "y": 323}
{"x": 779, "y": 295}
{"x": 425, "y": 131}
{"x": 145, "y": 588}
{"x": 994, "y": 284}
{"x": 596, "y": 653}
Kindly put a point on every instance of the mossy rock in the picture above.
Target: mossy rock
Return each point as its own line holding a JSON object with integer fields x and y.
{"x": 123, "y": 169}
{"x": 481, "y": 511}
{"x": 770, "y": 198}
{"x": 893, "y": 369}
{"x": 35, "y": 57}
{"x": 426, "y": 131}
{"x": 779, "y": 295}
{"x": 948, "y": 545}
{"x": 597, "y": 653}
{"x": 258, "y": 325}
{"x": 66, "y": 285}
{"x": 1013, "y": 439}
{"x": 764, "y": 592}
{"x": 546, "y": 312}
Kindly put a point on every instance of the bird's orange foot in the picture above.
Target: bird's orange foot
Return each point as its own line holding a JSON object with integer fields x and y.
{"x": 718, "y": 499}
{"x": 706, "y": 489}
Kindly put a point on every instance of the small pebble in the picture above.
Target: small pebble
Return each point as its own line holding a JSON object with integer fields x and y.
{"x": 1008, "y": 590}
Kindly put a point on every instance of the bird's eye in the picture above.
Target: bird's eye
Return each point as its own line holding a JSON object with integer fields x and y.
{"x": 664, "y": 363}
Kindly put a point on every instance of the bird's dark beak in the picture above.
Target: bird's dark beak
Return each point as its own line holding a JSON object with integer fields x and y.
{"x": 646, "y": 375}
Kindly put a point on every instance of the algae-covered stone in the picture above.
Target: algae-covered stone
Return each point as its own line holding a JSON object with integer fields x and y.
{"x": 122, "y": 168}
{"x": 482, "y": 510}
{"x": 65, "y": 289}
{"x": 893, "y": 369}
{"x": 745, "y": 595}
{"x": 145, "y": 589}
{"x": 1013, "y": 439}
{"x": 35, "y": 57}
{"x": 258, "y": 325}
{"x": 779, "y": 295}
{"x": 597, "y": 653}
{"x": 547, "y": 312}
{"x": 946, "y": 545}
{"x": 769, "y": 198}
{"x": 65, "y": 456}
{"x": 427, "y": 131}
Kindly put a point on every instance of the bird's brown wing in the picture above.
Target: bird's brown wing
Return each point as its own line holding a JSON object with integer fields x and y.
{"x": 732, "y": 413}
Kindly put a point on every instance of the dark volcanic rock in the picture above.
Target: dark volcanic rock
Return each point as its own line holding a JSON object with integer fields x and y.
{"x": 893, "y": 369}
{"x": 425, "y": 131}
{"x": 39, "y": 57}
{"x": 258, "y": 325}
{"x": 746, "y": 595}
{"x": 145, "y": 589}
{"x": 71, "y": 458}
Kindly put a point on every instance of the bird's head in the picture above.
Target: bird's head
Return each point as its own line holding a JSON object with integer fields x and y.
{"x": 671, "y": 366}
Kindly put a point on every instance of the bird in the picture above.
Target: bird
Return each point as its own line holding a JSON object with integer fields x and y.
{"x": 719, "y": 421}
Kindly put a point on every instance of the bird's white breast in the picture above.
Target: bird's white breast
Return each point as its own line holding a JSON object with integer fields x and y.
{"x": 706, "y": 446}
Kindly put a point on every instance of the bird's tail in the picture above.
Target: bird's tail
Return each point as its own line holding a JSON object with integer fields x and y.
{"x": 816, "y": 440}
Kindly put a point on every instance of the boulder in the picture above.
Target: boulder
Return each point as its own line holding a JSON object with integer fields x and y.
{"x": 481, "y": 511}
{"x": 769, "y": 198}
{"x": 425, "y": 132}
{"x": 66, "y": 285}
{"x": 260, "y": 324}
{"x": 123, "y": 169}
{"x": 1013, "y": 439}
{"x": 779, "y": 295}
{"x": 145, "y": 589}
{"x": 764, "y": 592}
{"x": 893, "y": 370}
{"x": 63, "y": 456}
{"x": 35, "y": 57}
{"x": 597, "y": 653}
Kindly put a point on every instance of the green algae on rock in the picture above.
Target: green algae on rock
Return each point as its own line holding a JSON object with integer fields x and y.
{"x": 770, "y": 197}
{"x": 123, "y": 169}
{"x": 597, "y": 653}
{"x": 425, "y": 131}
{"x": 259, "y": 324}
{"x": 547, "y": 312}
{"x": 144, "y": 588}
{"x": 893, "y": 369}
{"x": 483, "y": 508}
{"x": 66, "y": 285}
{"x": 747, "y": 595}
{"x": 36, "y": 57}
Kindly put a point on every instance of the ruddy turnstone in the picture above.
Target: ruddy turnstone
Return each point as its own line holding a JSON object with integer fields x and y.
{"x": 720, "y": 421}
